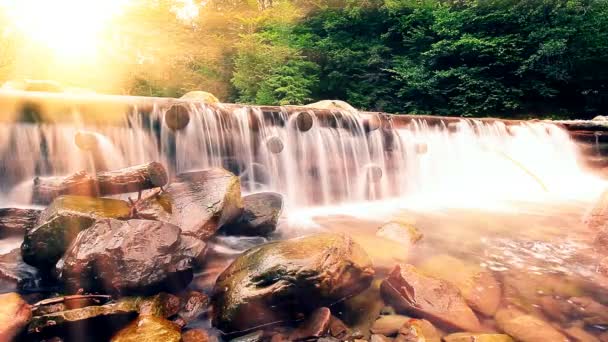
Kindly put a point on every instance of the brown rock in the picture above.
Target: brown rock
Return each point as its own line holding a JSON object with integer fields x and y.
{"x": 149, "y": 328}
{"x": 410, "y": 291}
{"x": 388, "y": 325}
{"x": 15, "y": 314}
{"x": 195, "y": 335}
{"x": 338, "y": 329}
{"x": 526, "y": 328}
{"x": 313, "y": 327}
{"x": 415, "y": 330}
{"x": 468, "y": 337}
{"x": 15, "y": 222}
{"x": 478, "y": 286}
{"x": 580, "y": 335}
{"x": 195, "y": 304}
{"x": 379, "y": 338}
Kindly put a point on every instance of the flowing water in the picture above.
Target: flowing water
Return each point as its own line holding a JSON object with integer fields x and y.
{"x": 506, "y": 197}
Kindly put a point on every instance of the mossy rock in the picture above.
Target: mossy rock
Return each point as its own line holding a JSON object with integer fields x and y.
{"x": 278, "y": 280}
{"x": 87, "y": 206}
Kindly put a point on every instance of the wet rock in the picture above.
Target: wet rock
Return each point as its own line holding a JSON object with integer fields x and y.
{"x": 478, "y": 286}
{"x": 587, "y": 309}
{"x": 274, "y": 144}
{"x": 15, "y": 222}
{"x": 198, "y": 202}
{"x": 400, "y": 232}
{"x": 177, "y": 117}
{"x": 135, "y": 256}
{"x": 379, "y": 338}
{"x": 161, "y": 305}
{"x": 410, "y": 291}
{"x": 45, "y": 244}
{"x": 195, "y": 304}
{"x": 526, "y": 328}
{"x": 338, "y": 329}
{"x": 315, "y": 326}
{"x": 388, "y": 325}
{"x": 361, "y": 311}
{"x": 64, "y": 303}
{"x": 268, "y": 283}
{"x": 15, "y": 314}
{"x": 149, "y": 328}
{"x": 14, "y": 270}
{"x": 260, "y": 216}
{"x": 61, "y": 222}
{"x": 93, "y": 207}
{"x": 196, "y": 335}
{"x": 468, "y": 337}
{"x": 415, "y": 330}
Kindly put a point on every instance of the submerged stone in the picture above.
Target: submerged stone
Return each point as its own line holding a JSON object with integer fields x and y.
{"x": 468, "y": 337}
{"x": 15, "y": 314}
{"x": 526, "y": 328}
{"x": 135, "y": 256}
{"x": 149, "y": 329}
{"x": 414, "y": 330}
{"x": 478, "y": 286}
{"x": 400, "y": 232}
{"x": 276, "y": 281}
{"x": 260, "y": 216}
{"x": 199, "y": 202}
{"x": 410, "y": 291}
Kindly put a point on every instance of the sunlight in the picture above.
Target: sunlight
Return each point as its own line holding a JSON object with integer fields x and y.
{"x": 70, "y": 29}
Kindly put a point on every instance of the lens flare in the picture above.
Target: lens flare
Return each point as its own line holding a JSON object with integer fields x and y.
{"x": 68, "y": 28}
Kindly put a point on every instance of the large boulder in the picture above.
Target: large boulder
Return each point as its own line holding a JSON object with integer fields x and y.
{"x": 15, "y": 314}
{"x": 279, "y": 280}
{"x": 15, "y": 221}
{"x": 410, "y": 291}
{"x": 199, "y": 202}
{"x": 61, "y": 222}
{"x": 526, "y": 328}
{"x": 149, "y": 328}
{"x": 135, "y": 256}
{"x": 478, "y": 286}
{"x": 260, "y": 217}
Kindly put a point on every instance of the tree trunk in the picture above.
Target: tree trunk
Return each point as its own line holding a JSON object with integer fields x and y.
{"x": 131, "y": 179}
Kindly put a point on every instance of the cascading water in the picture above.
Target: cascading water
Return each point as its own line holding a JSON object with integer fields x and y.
{"x": 336, "y": 161}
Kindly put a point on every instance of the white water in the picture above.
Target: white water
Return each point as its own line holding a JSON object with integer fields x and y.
{"x": 469, "y": 164}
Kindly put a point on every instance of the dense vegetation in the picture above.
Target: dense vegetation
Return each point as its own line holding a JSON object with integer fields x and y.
{"x": 512, "y": 58}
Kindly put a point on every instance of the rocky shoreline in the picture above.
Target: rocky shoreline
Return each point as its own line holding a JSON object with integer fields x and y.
{"x": 109, "y": 269}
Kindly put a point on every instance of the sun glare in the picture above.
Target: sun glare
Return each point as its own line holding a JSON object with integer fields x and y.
{"x": 68, "y": 28}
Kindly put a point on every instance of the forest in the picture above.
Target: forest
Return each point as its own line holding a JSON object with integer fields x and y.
{"x": 508, "y": 58}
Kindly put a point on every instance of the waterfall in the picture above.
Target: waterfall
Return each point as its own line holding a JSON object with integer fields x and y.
{"x": 339, "y": 160}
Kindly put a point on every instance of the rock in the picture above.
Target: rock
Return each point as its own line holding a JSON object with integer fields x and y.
{"x": 334, "y": 105}
{"x": 15, "y": 314}
{"x": 177, "y": 117}
{"x": 478, "y": 286}
{"x": 45, "y": 244}
{"x": 14, "y": 270}
{"x": 526, "y": 328}
{"x": 61, "y": 222}
{"x": 260, "y": 216}
{"x": 400, "y": 232}
{"x": 415, "y": 330}
{"x": 379, "y": 338}
{"x": 602, "y": 267}
{"x": 135, "y": 256}
{"x": 268, "y": 283}
{"x": 315, "y": 326}
{"x": 304, "y": 121}
{"x": 587, "y": 309}
{"x": 93, "y": 207}
{"x": 15, "y": 222}
{"x": 201, "y": 96}
{"x": 388, "y": 325}
{"x": 468, "y": 337}
{"x": 149, "y": 328}
{"x": 274, "y": 144}
{"x": 196, "y": 335}
{"x": 196, "y": 303}
{"x": 338, "y": 329}
{"x": 361, "y": 311}
{"x": 199, "y": 202}
{"x": 410, "y": 291}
